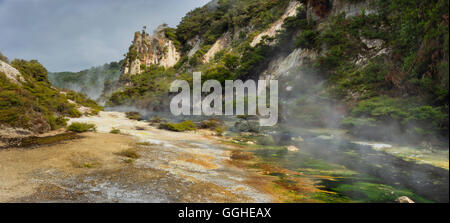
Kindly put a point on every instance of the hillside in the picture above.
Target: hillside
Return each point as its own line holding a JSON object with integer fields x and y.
{"x": 379, "y": 69}
{"x": 90, "y": 81}
{"x": 362, "y": 108}
{"x": 29, "y": 104}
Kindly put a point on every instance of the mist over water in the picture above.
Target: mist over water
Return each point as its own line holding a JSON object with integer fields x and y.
{"x": 309, "y": 111}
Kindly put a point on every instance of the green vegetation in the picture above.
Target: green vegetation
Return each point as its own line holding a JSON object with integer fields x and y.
{"x": 87, "y": 165}
{"x": 171, "y": 34}
{"x": 35, "y": 104}
{"x": 220, "y": 130}
{"x": 134, "y": 116}
{"x": 81, "y": 127}
{"x": 91, "y": 82}
{"x": 210, "y": 124}
{"x": 211, "y": 22}
{"x": 307, "y": 39}
{"x": 32, "y": 69}
{"x": 4, "y": 58}
{"x": 306, "y": 176}
{"x": 83, "y": 100}
{"x": 407, "y": 114}
{"x": 401, "y": 77}
{"x": 388, "y": 64}
{"x": 149, "y": 89}
{"x": 156, "y": 120}
{"x": 218, "y": 126}
{"x": 372, "y": 192}
{"x": 145, "y": 144}
{"x": 129, "y": 153}
{"x": 115, "y": 131}
{"x": 179, "y": 127}
{"x": 128, "y": 161}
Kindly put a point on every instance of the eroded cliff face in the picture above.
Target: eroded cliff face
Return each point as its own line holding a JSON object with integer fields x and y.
{"x": 278, "y": 25}
{"x": 222, "y": 43}
{"x": 148, "y": 50}
{"x": 320, "y": 11}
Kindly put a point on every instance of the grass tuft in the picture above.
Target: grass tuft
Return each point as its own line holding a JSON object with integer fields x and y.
{"x": 81, "y": 127}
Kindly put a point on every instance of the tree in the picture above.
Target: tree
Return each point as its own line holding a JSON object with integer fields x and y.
{"x": 3, "y": 58}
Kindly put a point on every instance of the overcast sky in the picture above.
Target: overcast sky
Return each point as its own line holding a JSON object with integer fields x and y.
{"x": 71, "y": 35}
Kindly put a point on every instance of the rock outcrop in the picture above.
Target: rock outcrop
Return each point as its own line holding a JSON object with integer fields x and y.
{"x": 278, "y": 25}
{"x": 320, "y": 9}
{"x": 195, "y": 45}
{"x": 404, "y": 200}
{"x": 149, "y": 50}
{"x": 222, "y": 43}
{"x": 11, "y": 73}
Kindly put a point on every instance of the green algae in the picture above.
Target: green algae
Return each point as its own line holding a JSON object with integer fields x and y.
{"x": 363, "y": 192}
{"x": 335, "y": 183}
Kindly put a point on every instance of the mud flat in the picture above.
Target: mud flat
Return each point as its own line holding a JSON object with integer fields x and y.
{"x": 167, "y": 167}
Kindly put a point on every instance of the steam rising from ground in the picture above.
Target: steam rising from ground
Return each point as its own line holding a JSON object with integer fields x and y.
{"x": 90, "y": 82}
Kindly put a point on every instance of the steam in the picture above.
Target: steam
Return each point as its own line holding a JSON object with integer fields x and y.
{"x": 306, "y": 104}
{"x": 89, "y": 82}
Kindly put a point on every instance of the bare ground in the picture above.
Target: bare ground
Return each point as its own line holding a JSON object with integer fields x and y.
{"x": 172, "y": 167}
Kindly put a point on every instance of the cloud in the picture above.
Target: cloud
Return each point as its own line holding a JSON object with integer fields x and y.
{"x": 69, "y": 35}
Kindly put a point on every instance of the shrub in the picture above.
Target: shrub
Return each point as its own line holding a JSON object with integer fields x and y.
{"x": 3, "y": 58}
{"x": 36, "y": 105}
{"x": 57, "y": 122}
{"x": 220, "y": 130}
{"x": 31, "y": 69}
{"x": 83, "y": 100}
{"x": 156, "y": 119}
{"x": 134, "y": 116}
{"x": 307, "y": 39}
{"x": 413, "y": 118}
{"x": 81, "y": 127}
{"x": 115, "y": 131}
{"x": 180, "y": 127}
{"x": 219, "y": 73}
{"x": 210, "y": 124}
{"x": 130, "y": 153}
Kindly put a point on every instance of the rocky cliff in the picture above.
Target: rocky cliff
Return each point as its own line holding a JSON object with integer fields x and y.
{"x": 358, "y": 64}
{"x": 147, "y": 50}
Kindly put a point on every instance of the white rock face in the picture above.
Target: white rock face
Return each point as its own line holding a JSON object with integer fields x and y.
{"x": 11, "y": 73}
{"x": 293, "y": 149}
{"x": 276, "y": 26}
{"x": 375, "y": 48}
{"x": 404, "y": 200}
{"x": 223, "y": 42}
{"x": 171, "y": 57}
{"x": 152, "y": 50}
{"x": 350, "y": 9}
{"x": 133, "y": 68}
{"x": 196, "y": 44}
{"x": 289, "y": 65}
{"x": 373, "y": 43}
{"x": 7, "y": 132}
